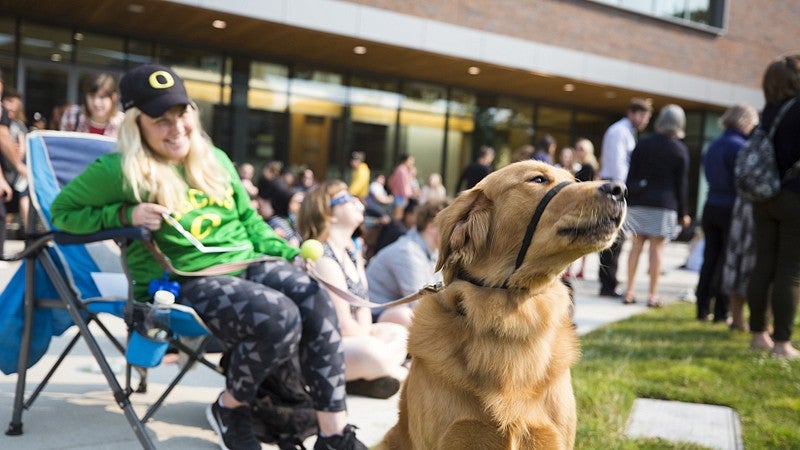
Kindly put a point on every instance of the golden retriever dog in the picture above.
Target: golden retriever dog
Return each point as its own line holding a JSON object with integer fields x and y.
{"x": 492, "y": 351}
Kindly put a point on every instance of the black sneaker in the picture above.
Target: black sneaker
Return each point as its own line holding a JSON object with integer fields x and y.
{"x": 383, "y": 387}
{"x": 345, "y": 441}
{"x": 234, "y": 426}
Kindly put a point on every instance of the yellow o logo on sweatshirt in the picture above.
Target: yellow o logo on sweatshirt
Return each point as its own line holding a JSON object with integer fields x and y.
{"x": 203, "y": 224}
{"x": 161, "y": 79}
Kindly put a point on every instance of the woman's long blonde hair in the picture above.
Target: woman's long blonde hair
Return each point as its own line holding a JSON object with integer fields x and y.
{"x": 155, "y": 180}
{"x": 588, "y": 153}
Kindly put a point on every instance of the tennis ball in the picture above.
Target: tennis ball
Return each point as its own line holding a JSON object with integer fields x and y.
{"x": 311, "y": 249}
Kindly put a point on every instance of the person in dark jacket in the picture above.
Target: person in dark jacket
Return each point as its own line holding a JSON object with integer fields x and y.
{"x": 657, "y": 195}
{"x": 718, "y": 162}
{"x": 478, "y": 169}
{"x": 777, "y": 219}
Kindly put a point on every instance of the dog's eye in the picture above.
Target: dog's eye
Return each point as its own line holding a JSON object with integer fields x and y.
{"x": 538, "y": 179}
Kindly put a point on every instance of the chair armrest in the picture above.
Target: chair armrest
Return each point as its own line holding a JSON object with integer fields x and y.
{"x": 127, "y": 233}
{"x": 35, "y": 244}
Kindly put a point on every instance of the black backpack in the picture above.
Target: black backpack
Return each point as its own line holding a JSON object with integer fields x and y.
{"x": 283, "y": 413}
{"x": 756, "y": 171}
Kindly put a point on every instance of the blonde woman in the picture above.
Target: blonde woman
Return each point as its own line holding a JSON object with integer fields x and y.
{"x": 374, "y": 352}
{"x": 587, "y": 162}
{"x": 173, "y": 181}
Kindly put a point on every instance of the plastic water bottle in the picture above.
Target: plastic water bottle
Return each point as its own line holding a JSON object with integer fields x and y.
{"x": 157, "y": 320}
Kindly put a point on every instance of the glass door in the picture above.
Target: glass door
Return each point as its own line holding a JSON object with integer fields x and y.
{"x": 46, "y": 89}
{"x": 49, "y": 87}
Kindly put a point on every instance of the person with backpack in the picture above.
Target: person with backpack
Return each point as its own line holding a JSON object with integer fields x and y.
{"x": 777, "y": 219}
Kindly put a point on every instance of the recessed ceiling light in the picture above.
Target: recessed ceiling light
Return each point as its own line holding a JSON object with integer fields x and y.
{"x": 474, "y": 70}
{"x": 359, "y": 49}
{"x": 569, "y": 87}
{"x": 219, "y": 24}
{"x": 55, "y": 57}
{"x": 135, "y": 8}
{"x": 77, "y": 36}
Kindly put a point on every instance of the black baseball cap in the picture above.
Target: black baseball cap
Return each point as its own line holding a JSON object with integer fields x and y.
{"x": 152, "y": 88}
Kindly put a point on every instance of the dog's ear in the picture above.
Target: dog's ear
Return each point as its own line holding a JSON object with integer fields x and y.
{"x": 464, "y": 230}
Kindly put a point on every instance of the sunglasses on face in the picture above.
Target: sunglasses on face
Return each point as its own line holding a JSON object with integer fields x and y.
{"x": 342, "y": 199}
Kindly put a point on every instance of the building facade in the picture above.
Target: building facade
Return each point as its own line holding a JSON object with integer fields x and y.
{"x": 309, "y": 81}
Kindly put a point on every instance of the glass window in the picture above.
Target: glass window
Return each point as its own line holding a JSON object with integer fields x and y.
{"x": 703, "y": 14}
{"x": 46, "y": 91}
{"x": 140, "y": 52}
{"x": 513, "y": 128}
{"x": 317, "y": 92}
{"x": 101, "y": 50}
{"x": 592, "y": 126}
{"x": 642, "y": 6}
{"x": 695, "y": 124}
{"x": 7, "y": 65}
{"x": 316, "y": 105}
{"x": 460, "y": 134}
{"x": 700, "y": 11}
{"x": 202, "y": 73}
{"x": 7, "y": 34}
{"x": 553, "y": 118}
{"x": 557, "y": 123}
{"x": 267, "y": 100}
{"x": 268, "y": 86}
{"x": 711, "y": 130}
{"x": 671, "y": 8}
{"x": 373, "y": 110}
{"x": 54, "y": 44}
{"x": 422, "y": 126}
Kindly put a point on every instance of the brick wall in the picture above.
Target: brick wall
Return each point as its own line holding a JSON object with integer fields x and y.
{"x": 757, "y": 31}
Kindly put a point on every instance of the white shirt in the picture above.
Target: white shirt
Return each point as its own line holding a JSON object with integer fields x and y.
{"x": 618, "y": 143}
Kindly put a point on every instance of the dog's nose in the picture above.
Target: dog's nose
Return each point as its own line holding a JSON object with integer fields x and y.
{"x": 614, "y": 189}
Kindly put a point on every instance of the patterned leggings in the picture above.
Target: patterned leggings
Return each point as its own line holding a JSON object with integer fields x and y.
{"x": 263, "y": 315}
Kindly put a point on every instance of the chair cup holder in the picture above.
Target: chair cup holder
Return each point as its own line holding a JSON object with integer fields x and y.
{"x": 144, "y": 351}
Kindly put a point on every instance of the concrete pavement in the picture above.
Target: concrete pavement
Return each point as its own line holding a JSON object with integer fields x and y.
{"x": 76, "y": 410}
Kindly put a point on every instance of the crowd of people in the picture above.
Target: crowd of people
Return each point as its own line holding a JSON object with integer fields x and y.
{"x": 750, "y": 254}
{"x": 379, "y": 236}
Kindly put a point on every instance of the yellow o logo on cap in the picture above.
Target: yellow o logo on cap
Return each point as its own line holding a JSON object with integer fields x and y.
{"x": 157, "y": 83}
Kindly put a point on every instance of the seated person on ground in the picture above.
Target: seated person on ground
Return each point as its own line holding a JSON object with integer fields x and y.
{"x": 374, "y": 352}
{"x": 405, "y": 266}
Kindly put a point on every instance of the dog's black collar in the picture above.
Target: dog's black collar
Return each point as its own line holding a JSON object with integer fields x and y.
{"x": 464, "y": 276}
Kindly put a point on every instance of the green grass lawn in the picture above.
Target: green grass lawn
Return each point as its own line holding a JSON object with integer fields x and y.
{"x": 667, "y": 354}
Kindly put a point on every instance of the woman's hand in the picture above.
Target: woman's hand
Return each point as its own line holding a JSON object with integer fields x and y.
{"x": 148, "y": 215}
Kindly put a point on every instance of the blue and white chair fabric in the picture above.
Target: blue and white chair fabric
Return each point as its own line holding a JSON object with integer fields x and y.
{"x": 67, "y": 280}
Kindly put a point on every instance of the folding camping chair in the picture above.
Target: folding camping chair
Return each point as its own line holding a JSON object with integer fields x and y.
{"x": 57, "y": 286}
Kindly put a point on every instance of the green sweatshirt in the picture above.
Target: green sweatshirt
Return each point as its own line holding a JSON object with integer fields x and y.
{"x": 92, "y": 201}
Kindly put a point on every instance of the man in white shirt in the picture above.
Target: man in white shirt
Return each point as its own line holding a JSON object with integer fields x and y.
{"x": 618, "y": 143}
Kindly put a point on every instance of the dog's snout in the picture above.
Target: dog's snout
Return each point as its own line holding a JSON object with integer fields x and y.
{"x": 614, "y": 189}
